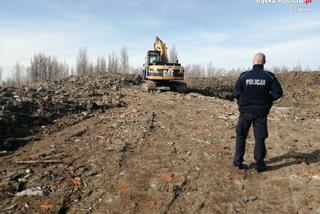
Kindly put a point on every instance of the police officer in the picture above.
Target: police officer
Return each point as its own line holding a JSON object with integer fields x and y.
{"x": 255, "y": 92}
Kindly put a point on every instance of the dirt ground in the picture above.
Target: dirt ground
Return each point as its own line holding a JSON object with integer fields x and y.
{"x": 166, "y": 152}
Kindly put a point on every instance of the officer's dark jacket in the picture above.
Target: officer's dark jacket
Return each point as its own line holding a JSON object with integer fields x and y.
{"x": 256, "y": 90}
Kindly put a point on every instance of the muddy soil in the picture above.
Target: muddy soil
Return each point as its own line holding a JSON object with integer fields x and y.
{"x": 165, "y": 152}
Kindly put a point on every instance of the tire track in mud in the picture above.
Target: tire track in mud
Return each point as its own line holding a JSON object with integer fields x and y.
{"x": 177, "y": 190}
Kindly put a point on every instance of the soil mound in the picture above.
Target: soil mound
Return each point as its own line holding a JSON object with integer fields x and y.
{"x": 300, "y": 88}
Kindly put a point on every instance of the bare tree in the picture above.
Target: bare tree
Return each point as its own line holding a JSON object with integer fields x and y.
{"x": 17, "y": 74}
{"x": 53, "y": 68}
{"x": 284, "y": 68}
{"x": 97, "y": 68}
{"x": 276, "y": 69}
{"x": 37, "y": 69}
{"x": 307, "y": 68}
{"x": 113, "y": 63}
{"x": 101, "y": 65}
{"x": 210, "y": 70}
{"x": 298, "y": 67}
{"x": 91, "y": 68}
{"x": 82, "y": 62}
{"x": 9, "y": 82}
{"x": 124, "y": 61}
{"x": 198, "y": 70}
{"x": 110, "y": 63}
{"x": 194, "y": 70}
{"x": 239, "y": 70}
{"x": 173, "y": 55}
{"x": 1, "y": 74}
{"x": 136, "y": 70}
{"x": 46, "y": 68}
{"x": 63, "y": 70}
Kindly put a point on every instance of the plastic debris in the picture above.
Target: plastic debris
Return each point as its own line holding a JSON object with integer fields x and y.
{"x": 36, "y": 191}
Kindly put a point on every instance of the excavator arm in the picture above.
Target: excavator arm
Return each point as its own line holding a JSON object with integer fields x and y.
{"x": 162, "y": 48}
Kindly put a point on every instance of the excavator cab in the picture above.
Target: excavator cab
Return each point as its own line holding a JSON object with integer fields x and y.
{"x": 153, "y": 58}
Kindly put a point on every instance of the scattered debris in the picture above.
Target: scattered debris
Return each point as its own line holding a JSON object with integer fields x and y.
{"x": 75, "y": 181}
{"x": 36, "y": 191}
{"x": 48, "y": 175}
{"x": 249, "y": 199}
{"x": 38, "y": 161}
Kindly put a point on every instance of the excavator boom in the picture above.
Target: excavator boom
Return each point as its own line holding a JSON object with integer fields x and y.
{"x": 162, "y": 48}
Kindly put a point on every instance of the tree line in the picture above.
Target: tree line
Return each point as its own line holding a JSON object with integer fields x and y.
{"x": 209, "y": 70}
{"x": 43, "y": 67}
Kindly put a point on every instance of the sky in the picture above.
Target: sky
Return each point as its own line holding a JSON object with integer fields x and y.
{"x": 226, "y": 33}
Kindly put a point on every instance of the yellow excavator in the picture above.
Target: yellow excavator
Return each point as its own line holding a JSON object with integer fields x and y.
{"x": 158, "y": 72}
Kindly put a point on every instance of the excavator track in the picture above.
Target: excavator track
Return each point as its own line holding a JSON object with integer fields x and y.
{"x": 175, "y": 86}
{"x": 180, "y": 87}
{"x": 149, "y": 85}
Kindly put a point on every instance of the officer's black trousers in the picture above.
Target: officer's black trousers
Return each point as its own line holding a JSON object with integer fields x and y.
{"x": 260, "y": 134}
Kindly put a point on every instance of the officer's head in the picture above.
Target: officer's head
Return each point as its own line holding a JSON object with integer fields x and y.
{"x": 259, "y": 59}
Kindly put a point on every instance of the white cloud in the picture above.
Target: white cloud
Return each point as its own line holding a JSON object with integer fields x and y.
{"x": 57, "y": 38}
{"x": 304, "y": 51}
{"x": 286, "y": 42}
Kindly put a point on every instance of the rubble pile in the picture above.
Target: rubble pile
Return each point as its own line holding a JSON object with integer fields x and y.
{"x": 41, "y": 103}
{"x": 220, "y": 87}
